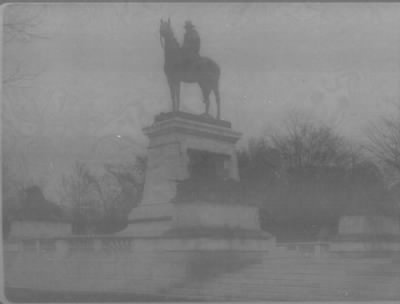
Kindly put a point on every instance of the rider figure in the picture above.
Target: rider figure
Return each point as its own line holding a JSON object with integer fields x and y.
{"x": 191, "y": 43}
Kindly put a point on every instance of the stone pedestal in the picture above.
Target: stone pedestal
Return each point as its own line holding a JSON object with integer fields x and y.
{"x": 173, "y": 139}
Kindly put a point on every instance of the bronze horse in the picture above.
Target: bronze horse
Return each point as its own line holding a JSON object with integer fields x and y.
{"x": 203, "y": 70}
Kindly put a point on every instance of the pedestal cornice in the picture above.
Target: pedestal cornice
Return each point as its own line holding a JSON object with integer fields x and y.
{"x": 195, "y": 125}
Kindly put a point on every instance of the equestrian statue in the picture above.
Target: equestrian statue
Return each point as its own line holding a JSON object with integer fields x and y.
{"x": 184, "y": 64}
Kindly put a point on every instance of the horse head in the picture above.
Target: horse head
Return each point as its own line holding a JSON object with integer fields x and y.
{"x": 165, "y": 30}
{"x": 167, "y": 34}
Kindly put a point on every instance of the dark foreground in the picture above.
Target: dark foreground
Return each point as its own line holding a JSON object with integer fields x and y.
{"x": 286, "y": 274}
{"x": 21, "y": 295}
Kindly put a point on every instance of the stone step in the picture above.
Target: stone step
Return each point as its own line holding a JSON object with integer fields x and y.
{"x": 281, "y": 292}
{"x": 292, "y": 279}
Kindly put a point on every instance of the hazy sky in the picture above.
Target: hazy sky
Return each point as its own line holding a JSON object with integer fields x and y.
{"x": 99, "y": 77}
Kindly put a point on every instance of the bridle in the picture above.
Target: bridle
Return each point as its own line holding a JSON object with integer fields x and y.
{"x": 164, "y": 31}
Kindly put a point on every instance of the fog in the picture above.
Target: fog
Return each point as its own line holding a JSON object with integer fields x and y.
{"x": 96, "y": 78}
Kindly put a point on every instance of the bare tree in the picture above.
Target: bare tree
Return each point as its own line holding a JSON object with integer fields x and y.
{"x": 21, "y": 22}
{"x": 299, "y": 173}
{"x": 384, "y": 141}
{"x": 21, "y": 25}
{"x": 80, "y": 190}
{"x": 305, "y": 143}
{"x": 101, "y": 204}
{"x": 12, "y": 190}
{"x": 130, "y": 177}
{"x": 121, "y": 189}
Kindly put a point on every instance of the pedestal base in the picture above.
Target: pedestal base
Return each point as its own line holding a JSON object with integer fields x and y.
{"x": 149, "y": 220}
{"x": 215, "y": 216}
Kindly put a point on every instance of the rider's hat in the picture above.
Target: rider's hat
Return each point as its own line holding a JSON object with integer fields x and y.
{"x": 189, "y": 25}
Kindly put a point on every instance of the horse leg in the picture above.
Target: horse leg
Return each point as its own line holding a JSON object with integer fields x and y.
{"x": 206, "y": 98}
{"x": 172, "y": 92}
{"x": 177, "y": 95}
{"x": 217, "y": 101}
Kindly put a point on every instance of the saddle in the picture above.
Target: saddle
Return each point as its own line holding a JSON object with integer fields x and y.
{"x": 190, "y": 60}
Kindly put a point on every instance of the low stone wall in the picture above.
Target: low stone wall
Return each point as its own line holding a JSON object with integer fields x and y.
{"x": 38, "y": 229}
{"x": 367, "y": 234}
{"x": 365, "y": 246}
{"x": 368, "y": 225}
{"x": 315, "y": 249}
